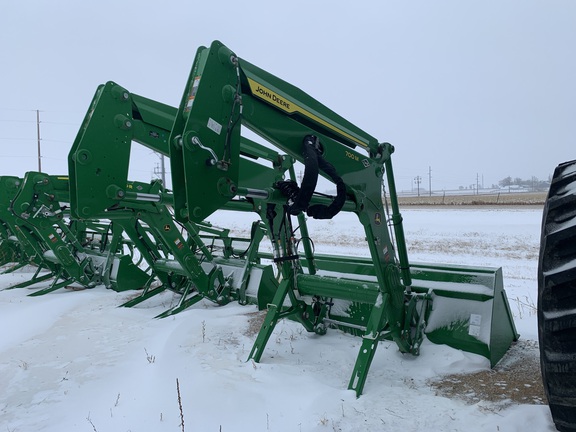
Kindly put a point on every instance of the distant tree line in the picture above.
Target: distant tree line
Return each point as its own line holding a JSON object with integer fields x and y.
{"x": 532, "y": 183}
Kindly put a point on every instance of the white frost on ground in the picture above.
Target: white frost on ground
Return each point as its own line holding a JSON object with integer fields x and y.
{"x": 73, "y": 361}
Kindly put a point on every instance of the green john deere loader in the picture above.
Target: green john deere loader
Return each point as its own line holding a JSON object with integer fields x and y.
{"x": 174, "y": 251}
{"x": 87, "y": 253}
{"x": 15, "y": 243}
{"x": 382, "y": 296}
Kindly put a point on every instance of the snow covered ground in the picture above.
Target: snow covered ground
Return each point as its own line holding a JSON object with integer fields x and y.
{"x": 73, "y": 361}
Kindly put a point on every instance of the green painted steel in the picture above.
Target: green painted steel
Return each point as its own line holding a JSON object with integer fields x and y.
{"x": 115, "y": 119}
{"x": 9, "y": 252}
{"x": 469, "y": 307}
{"x": 173, "y": 250}
{"x": 205, "y": 138}
{"x": 395, "y": 300}
{"x": 214, "y": 167}
{"x": 30, "y": 251}
{"x": 9, "y": 246}
{"x": 74, "y": 252}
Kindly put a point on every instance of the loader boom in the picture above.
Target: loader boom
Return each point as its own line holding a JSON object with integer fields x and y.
{"x": 135, "y": 118}
{"x": 225, "y": 93}
{"x": 174, "y": 251}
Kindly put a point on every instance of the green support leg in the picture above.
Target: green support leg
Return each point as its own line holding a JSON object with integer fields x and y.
{"x": 185, "y": 302}
{"x": 363, "y": 362}
{"x": 146, "y": 294}
{"x": 35, "y": 279}
{"x": 250, "y": 257}
{"x": 14, "y": 268}
{"x": 272, "y": 318}
{"x": 368, "y": 347}
{"x": 55, "y": 286}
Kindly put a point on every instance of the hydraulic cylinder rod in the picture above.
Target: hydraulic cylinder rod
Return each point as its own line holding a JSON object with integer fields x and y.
{"x": 398, "y": 227}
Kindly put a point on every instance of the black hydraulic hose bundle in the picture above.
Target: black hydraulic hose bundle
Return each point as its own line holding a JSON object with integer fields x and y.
{"x": 299, "y": 197}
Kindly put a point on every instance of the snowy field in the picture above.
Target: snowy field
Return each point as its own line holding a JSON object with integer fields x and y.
{"x": 73, "y": 361}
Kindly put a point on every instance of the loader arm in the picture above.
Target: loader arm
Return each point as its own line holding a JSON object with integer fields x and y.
{"x": 225, "y": 93}
{"x": 86, "y": 252}
{"x": 29, "y": 250}
{"x": 98, "y": 161}
{"x": 102, "y": 146}
{"x": 98, "y": 166}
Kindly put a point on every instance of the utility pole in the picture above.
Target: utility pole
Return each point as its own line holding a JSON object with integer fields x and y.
{"x": 418, "y": 180}
{"x": 161, "y": 170}
{"x": 429, "y": 181}
{"x": 477, "y": 183}
{"x": 38, "y": 133}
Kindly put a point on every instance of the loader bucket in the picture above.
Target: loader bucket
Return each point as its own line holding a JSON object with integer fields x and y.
{"x": 469, "y": 309}
{"x": 126, "y": 275}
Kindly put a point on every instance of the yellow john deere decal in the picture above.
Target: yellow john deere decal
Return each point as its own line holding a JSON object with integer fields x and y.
{"x": 282, "y": 103}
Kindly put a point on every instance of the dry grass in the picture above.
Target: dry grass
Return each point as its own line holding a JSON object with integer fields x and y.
{"x": 516, "y": 199}
{"x": 255, "y": 323}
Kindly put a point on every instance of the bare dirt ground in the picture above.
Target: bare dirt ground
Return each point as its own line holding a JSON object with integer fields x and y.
{"x": 516, "y": 379}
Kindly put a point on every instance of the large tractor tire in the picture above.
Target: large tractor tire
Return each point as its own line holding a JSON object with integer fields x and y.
{"x": 557, "y": 297}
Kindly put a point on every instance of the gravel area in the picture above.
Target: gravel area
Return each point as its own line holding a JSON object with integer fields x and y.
{"x": 516, "y": 379}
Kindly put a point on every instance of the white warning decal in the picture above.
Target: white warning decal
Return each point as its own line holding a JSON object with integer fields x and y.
{"x": 214, "y": 126}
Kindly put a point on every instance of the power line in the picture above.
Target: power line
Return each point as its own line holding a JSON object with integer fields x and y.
{"x": 38, "y": 129}
{"x": 61, "y": 123}
{"x": 54, "y": 158}
{"x": 16, "y": 109}
{"x": 57, "y": 141}
{"x": 17, "y": 121}
{"x": 49, "y": 111}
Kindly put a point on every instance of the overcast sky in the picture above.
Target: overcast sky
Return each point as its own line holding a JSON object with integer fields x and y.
{"x": 471, "y": 89}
